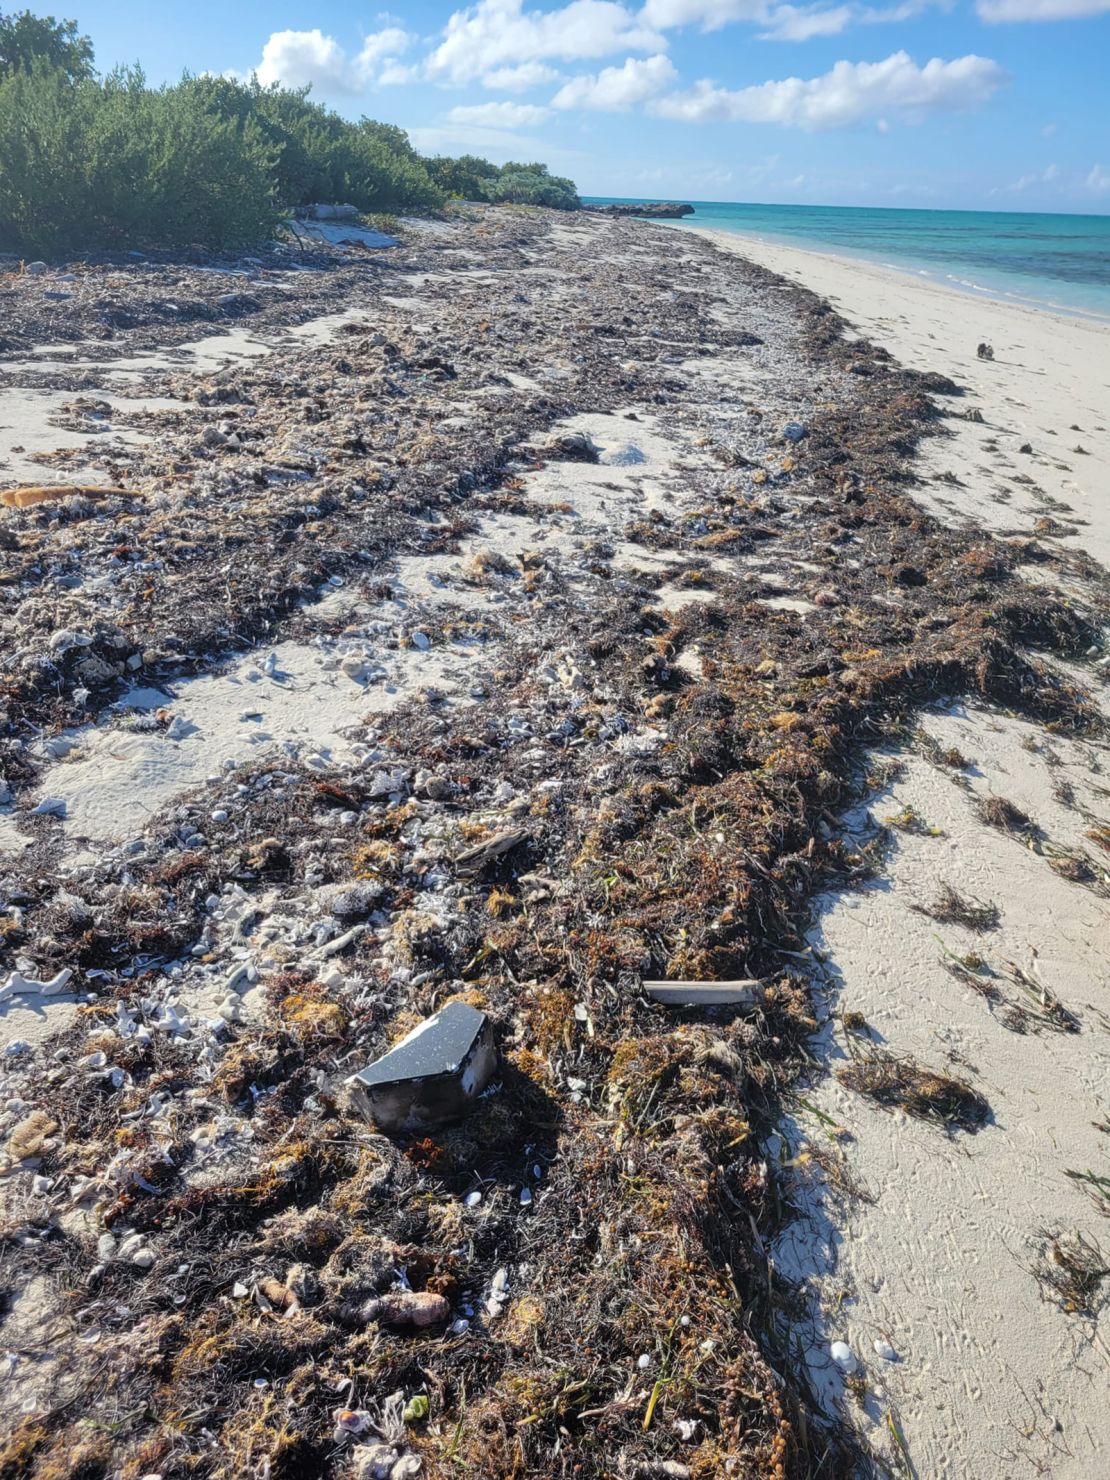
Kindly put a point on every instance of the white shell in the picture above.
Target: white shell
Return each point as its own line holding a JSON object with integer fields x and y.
{"x": 885, "y": 1350}
{"x": 844, "y": 1357}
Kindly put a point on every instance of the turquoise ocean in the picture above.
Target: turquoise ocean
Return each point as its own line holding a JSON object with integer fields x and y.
{"x": 1046, "y": 261}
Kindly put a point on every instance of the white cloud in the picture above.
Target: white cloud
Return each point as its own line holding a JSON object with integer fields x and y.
{"x": 783, "y": 22}
{"x": 1044, "y": 177}
{"x": 501, "y": 33}
{"x": 846, "y": 95}
{"x": 496, "y": 144}
{"x": 309, "y": 58}
{"x": 614, "y": 89}
{"x": 499, "y": 115}
{"x": 1039, "y": 10}
{"x": 1098, "y": 180}
{"x": 710, "y": 15}
{"x": 520, "y": 79}
{"x": 791, "y": 23}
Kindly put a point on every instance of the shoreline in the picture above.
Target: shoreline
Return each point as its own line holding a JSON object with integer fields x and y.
{"x": 922, "y": 274}
{"x": 948, "y": 1292}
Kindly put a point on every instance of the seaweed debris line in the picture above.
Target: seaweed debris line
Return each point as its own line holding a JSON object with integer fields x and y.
{"x": 513, "y": 646}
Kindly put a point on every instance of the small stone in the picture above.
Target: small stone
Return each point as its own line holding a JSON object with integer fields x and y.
{"x": 844, "y": 1357}
{"x": 422, "y": 641}
{"x": 794, "y": 431}
{"x": 885, "y": 1350}
{"x": 220, "y": 815}
{"x": 143, "y": 1258}
{"x": 35, "y": 269}
{"x": 472, "y": 1199}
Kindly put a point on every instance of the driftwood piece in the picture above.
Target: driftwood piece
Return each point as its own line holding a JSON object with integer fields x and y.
{"x": 44, "y": 493}
{"x": 471, "y": 862}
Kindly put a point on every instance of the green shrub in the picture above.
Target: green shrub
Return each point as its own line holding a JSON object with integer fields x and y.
{"x": 319, "y": 156}
{"x": 115, "y": 163}
{"x": 531, "y": 185}
{"x": 465, "y": 178}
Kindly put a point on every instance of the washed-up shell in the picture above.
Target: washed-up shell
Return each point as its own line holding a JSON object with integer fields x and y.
{"x": 381, "y": 1462}
{"x": 844, "y": 1357}
{"x": 350, "y": 1422}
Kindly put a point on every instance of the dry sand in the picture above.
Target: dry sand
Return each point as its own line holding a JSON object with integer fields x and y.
{"x": 991, "y": 1379}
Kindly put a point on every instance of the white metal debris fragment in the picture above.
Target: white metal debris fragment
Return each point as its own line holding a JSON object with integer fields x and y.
{"x": 432, "y": 1075}
{"x": 745, "y": 993}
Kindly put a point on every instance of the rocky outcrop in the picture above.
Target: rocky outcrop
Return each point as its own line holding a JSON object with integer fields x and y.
{"x": 657, "y": 210}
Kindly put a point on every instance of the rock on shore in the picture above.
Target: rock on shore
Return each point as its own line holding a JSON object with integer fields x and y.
{"x": 658, "y": 210}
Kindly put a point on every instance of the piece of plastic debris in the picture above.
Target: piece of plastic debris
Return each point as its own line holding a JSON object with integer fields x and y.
{"x": 433, "y": 1075}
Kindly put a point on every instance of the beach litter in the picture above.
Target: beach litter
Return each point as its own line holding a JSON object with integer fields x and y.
{"x": 432, "y": 1075}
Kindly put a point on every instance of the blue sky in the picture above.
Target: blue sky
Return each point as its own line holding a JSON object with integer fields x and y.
{"x": 983, "y": 104}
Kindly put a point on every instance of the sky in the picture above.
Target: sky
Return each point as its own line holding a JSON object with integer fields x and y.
{"x": 946, "y": 104}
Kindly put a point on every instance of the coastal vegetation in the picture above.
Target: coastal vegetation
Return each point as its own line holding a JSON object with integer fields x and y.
{"x": 108, "y": 161}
